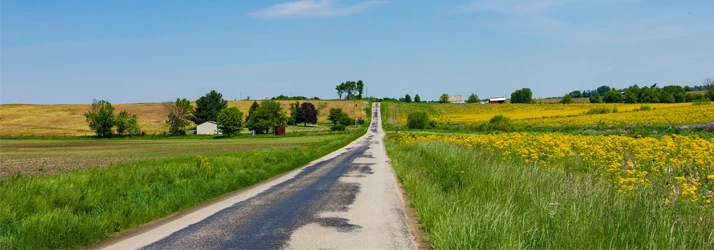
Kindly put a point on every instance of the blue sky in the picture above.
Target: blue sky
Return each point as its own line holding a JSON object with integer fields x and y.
{"x": 153, "y": 51}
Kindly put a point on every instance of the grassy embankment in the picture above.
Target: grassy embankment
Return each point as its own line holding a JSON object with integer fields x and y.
{"x": 68, "y": 119}
{"x": 467, "y": 198}
{"x": 81, "y": 207}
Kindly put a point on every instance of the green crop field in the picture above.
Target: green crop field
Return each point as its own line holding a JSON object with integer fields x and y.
{"x": 71, "y": 193}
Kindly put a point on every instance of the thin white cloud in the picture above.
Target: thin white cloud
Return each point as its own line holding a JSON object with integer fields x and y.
{"x": 314, "y": 8}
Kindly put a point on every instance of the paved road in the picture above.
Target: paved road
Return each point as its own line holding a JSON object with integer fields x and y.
{"x": 346, "y": 200}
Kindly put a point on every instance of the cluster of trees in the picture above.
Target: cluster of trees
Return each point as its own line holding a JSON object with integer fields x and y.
{"x": 408, "y": 98}
{"x": 212, "y": 107}
{"x": 284, "y": 97}
{"x": 303, "y": 113}
{"x": 524, "y": 95}
{"x": 101, "y": 120}
{"x": 351, "y": 90}
{"x": 651, "y": 94}
{"x": 340, "y": 119}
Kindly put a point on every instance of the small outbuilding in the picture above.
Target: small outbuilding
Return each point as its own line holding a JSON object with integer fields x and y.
{"x": 496, "y": 100}
{"x": 208, "y": 128}
{"x": 456, "y": 99}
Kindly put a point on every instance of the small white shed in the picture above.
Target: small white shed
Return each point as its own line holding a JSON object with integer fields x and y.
{"x": 207, "y": 128}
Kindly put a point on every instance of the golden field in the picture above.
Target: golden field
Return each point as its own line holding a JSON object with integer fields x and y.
{"x": 68, "y": 119}
{"x": 683, "y": 165}
{"x": 555, "y": 114}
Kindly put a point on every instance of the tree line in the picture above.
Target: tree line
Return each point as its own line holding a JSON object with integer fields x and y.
{"x": 646, "y": 94}
{"x": 180, "y": 114}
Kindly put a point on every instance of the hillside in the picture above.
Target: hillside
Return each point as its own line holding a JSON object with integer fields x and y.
{"x": 68, "y": 119}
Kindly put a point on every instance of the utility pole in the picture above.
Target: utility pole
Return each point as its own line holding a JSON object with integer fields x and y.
{"x": 355, "y": 114}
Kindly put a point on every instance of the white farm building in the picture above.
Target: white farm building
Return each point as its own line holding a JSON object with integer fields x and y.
{"x": 207, "y": 128}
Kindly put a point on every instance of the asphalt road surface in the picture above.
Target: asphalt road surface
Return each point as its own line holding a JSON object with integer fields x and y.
{"x": 348, "y": 199}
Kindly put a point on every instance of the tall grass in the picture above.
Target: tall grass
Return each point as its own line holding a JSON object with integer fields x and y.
{"x": 467, "y": 198}
{"x": 80, "y": 208}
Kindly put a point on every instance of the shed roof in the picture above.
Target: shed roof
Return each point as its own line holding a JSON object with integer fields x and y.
{"x": 456, "y": 98}
{"x": 497, "y": 99}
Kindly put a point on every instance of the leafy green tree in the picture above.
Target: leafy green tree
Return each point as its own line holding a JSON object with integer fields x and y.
{"x": 648, "y": 95}
{"x": 567, "y": 99}
{"x": 444, "y": 98}
{"x": 360, "y": 89}
{"x": 710, "y": 94}
{"x": 208, "y": 107}
{"x": 307, "y": 113}
{"x": 267, "y": 116}
{"x": 340, "y": 90}
{"x": 473, "y": 98}
{"x": 407, "y": 98}
{"x": 335, "y": 115}
{"x": 230, "y": 121}
{"x": 602, "y": 90}
{"x": 417, "y": 98}
{"x": 126, "y": 123}
{"x": 665, "y": 97}
{"x": 100, "y": 118}
{"x": 596, "y": 98}
{"x": 524, "y": 95}
{"x": 252, "y": 109}
{"x": 178, "y": 116}
{"x": 294, "y": 113}
{"x": 677, "y": 92}
{"x": 576, "y": 94}
{"x": 630, "y": 96}
{"x": 612, "y": 96}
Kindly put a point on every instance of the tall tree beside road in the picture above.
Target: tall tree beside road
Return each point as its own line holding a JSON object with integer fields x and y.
{"x": 208, "y": 107}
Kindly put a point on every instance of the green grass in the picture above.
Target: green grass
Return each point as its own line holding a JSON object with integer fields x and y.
{"x": 494, "y": 204}
{"x": 82, "y": 207}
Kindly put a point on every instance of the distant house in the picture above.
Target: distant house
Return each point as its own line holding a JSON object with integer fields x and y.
{"x": 496, "y": 100}
{"x": 207, "y": 128}
{"x": 456, "y": 99}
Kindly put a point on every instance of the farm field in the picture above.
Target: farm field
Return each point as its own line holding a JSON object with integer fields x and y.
{"x": 60, "y": 200}
{"x": 469, "y": 197}
{"x": 43, "y": 156}
{"x": 68, "y": 119}
{"x": 555, "y": 114}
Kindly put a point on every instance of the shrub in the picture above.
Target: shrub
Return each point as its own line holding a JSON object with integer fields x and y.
{"x": 126, "y": 122}
{"x": 567, "y": 99}
{"x": 360, "y": 121}
{"x": 500, "y": 122}
{"x": 418, "y": 120}
{"x": 645, "y": 108}
{"x": 346, "y": 120}
{"x": 702, "y": 101}
{"x": 338, "y": 127}
{"x": 598, "y": 110}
